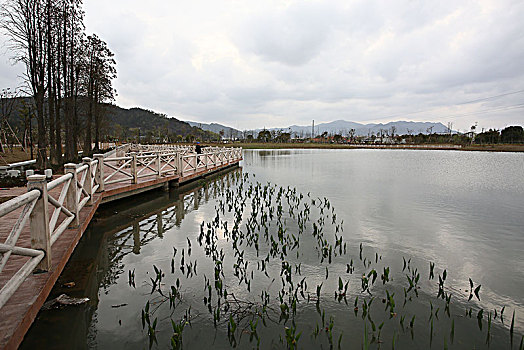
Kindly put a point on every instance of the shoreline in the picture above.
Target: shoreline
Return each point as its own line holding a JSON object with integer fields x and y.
{"x": 518, "y": 148}
{"x": 18, "y": 155}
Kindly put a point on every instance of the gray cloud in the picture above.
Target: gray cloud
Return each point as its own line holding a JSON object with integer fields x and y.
{"x": 292, "y": 36}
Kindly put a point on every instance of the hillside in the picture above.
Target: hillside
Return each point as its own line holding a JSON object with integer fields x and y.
{"x": 228, "y": 132}
{"x": 120, "y": 122}
{"x": 149, "y": 121}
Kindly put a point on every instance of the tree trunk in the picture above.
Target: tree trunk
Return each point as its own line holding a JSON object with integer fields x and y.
{"x": 89, "y": 122}
{"x": 58, "y": 128}
{"x": 97, "y": 119}
{"x": 51, "y": 96}
{"x": 58, "y": 98}
{"x": 41, "y": 155}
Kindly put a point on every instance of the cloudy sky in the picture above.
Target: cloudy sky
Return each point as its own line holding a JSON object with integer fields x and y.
{"x": 252, "y": 64}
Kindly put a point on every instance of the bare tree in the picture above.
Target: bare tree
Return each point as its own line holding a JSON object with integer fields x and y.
{"x": 63, "y": 66}
{"x": 24, "y": 23}
{"x": 393, "y": 130}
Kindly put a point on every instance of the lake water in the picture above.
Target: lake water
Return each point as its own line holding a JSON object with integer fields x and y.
{"x": 462, "y": 211}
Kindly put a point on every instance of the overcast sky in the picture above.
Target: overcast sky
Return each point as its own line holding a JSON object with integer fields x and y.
{"x": 252, "y": 64}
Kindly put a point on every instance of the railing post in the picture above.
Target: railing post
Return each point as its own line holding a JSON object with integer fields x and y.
{"x": 88, "y": 183}
{"x": 133, "y": 168}
{"x": 179, "y": 164}
{"x": 158, "y": 164}
{"x": 39, "y": 221}
{"x": 99, "y": 175}
{"x": 72, "y": 194}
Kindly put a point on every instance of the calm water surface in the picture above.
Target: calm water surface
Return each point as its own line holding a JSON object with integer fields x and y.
{"x": 461, "y": 210}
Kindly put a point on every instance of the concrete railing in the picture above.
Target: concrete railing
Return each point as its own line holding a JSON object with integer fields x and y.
{"x": 52, "y": 207}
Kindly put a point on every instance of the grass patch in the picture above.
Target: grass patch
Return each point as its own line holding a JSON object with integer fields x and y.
{"x": 13, "y": 156}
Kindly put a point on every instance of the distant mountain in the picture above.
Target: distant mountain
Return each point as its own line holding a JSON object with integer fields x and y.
{"x": 343, "y": 127}
{"x": 335, "y": 127}
{"x": 229, "y": 132}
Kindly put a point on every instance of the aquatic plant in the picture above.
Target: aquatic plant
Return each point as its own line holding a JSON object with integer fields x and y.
{"x": 264, "y": 234}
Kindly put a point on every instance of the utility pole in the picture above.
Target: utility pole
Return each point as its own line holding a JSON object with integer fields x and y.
{"x": 313, "y": 130}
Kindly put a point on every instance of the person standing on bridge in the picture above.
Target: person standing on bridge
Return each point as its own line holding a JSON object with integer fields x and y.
{"x": 198, "y": 150}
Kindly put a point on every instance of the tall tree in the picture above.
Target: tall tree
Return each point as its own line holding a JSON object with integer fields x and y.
{"x": 24, "y": 23}
{"x": 64, "y": 67}
{"x": 512, "y": 134}
{"x": 53, "y": 116}
{"x": 99, "y": 73}
{"x": 72, "y": 35}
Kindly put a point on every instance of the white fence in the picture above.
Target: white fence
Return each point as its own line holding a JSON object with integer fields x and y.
{"x": 52, "y": 207}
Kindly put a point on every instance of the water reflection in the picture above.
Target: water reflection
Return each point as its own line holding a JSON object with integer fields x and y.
{"x": 273, "y": 153}
{"x": 418, "y": 205}
{"x": 119, "y": 230}
{"x": 462, "y": 210}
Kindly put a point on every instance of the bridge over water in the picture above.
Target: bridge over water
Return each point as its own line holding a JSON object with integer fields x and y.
{"x": 41, "y": 225}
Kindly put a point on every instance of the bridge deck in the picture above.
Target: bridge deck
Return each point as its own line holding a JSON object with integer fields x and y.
{"x": 18, "y": 314}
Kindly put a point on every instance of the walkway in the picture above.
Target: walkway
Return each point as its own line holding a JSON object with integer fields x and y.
{"x": 52, "y": 216}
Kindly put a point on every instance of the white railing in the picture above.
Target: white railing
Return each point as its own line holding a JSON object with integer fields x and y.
{"x": 27, "y": 202}
{"x": 188, "y": 164}
{"x": 150, "y": 165}
{"x": 168, "y": 163}
{"x": 51, "y": 208}
{"x": 59, "y": 206}
{"x": 145, "y": 161}
{"x": 119, "y": 166}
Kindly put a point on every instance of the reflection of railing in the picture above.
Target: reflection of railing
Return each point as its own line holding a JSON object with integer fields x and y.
{"x": 155, "y": 218}
{"x": 53, "y": 207}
